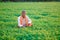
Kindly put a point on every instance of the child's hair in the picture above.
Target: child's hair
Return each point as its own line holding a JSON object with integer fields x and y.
{"x": 23, "y": 10}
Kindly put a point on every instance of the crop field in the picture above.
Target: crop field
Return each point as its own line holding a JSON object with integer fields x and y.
{"x": 45, "y": 17}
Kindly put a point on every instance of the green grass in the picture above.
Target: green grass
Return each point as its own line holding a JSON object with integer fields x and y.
{"x": 45, "y": 17}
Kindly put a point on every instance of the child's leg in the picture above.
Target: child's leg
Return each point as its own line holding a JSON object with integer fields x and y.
{"x": 29, "y": 24}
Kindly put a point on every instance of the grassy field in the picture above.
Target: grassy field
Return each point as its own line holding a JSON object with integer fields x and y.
{"x": 45, "y": 17}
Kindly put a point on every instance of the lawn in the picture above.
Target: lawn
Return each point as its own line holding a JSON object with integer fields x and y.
{"x": 44, "y": 15}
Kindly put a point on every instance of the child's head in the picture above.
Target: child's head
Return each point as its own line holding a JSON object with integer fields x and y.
{"x": 23, "y": 13}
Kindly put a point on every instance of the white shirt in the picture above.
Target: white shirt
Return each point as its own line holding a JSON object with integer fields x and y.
{"x": 23, "y": 21}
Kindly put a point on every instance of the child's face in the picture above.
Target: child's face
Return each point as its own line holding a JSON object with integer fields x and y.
{"x": 23, "y": 14}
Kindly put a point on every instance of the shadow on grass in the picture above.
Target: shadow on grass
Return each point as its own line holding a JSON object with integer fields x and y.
{"x": 54, "y": 16}
{"x": 16, "y": 14}
{"x": 45, "y": 14}
{"x": 34, "y": 16}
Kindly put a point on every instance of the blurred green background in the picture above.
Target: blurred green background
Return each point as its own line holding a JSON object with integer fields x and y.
{"x": 45, "y": 17}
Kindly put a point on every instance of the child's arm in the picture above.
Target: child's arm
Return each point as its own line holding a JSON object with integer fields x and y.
{"x": 29, "y": 20}
{"x": 19, "y": 22}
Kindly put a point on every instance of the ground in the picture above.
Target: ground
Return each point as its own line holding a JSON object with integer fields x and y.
{"x": 44, "y": 15}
